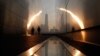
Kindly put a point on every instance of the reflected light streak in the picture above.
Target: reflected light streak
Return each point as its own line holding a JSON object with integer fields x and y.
{"x": 77, "y": 53}
{"x": 77, "y": 19}
{"x": 32, "y": 50}
{"x": 27, "y": 34}
{"x": 35, "y": 55}
{"x": 32, "y": 19}
{"x": 83, "y": 35}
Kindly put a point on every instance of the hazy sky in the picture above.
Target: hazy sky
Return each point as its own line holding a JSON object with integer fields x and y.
{"x": 51, "y": 8}
{"x": 47, "y": 6}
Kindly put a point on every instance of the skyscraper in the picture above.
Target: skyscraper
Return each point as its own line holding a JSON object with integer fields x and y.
{"x": 46, "y": 22}
{"x": 62, "y": 23}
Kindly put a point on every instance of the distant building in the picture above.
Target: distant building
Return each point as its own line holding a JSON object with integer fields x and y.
{"x": 54, "y": 30}
{"x": 62, "y": 27}
{"x": 46, "y": 22}
{"x": 45, "y": 27}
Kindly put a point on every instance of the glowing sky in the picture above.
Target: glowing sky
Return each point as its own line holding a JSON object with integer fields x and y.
{"x": 47, "y": 6}
{"x": 51, "y": 8}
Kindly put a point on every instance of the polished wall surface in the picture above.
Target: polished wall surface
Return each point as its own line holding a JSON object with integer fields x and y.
{"x": 87, "y": 10}
{"x": 15, "y": 13}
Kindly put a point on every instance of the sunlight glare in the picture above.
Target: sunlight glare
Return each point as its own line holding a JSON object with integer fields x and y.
{"x": 32, "y": 19}
{"x": 77, "y": 19}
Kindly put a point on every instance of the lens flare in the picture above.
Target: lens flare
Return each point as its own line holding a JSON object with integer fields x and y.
{"x": 77, "y": 19}
{"x": 32, "y": 19}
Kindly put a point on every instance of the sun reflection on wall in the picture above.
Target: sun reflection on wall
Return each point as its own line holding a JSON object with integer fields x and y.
{"x": 80, "y": 23}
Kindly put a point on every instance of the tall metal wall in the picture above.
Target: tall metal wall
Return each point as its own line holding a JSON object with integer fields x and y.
{"x": 14, "y": 14}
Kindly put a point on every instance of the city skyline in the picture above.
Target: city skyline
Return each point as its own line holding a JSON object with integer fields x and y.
{"x": 47, "y": 6}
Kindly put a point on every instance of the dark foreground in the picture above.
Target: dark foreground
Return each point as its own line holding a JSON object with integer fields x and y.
{"x": 12, "y": 45}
